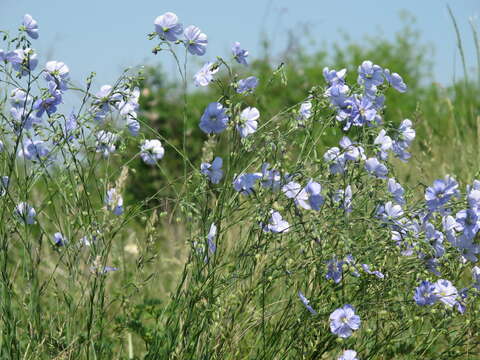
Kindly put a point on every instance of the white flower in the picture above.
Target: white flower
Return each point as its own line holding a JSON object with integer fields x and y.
{"x": 114, "y": 202}
{"x": 105, "y": 142}
{"x": 129, "y": 106}
{"x": 204, "y": 76}
{"x": 151, "y": 151}
{"x": 446, "y": 292}
{"x": 305, "y": 111}
{"x": 26, "y": 213}
{"x": 248, "y": 121}
{"x": 277, "y": 224}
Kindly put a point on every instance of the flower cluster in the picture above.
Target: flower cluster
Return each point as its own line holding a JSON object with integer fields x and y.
{"x": 168, "y": 28}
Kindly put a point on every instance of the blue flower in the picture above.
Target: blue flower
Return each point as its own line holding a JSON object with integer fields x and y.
{"x": 59, "y": 239}
{"x": 212, "y": 247}
{"x": 357, "y": 112}
{"x": 406, "y": 134}
{"x": 395, "y": 81}
{"x": 374, "y": 167}
{"x": 128, "y": 105}
{"x": 334, "y": 77}
{"x": 344, "y": 198}
{"x": 212, "y": 233}
{"x": 276, "y": 225}
{"x": 370, "y": 75}
{"x": 396, "y": 190}
{"x": 384, "y": 143}
{"x": 435, "y": 237}
{"x": 101, "y": 105}
{"x": 99, "y": 270}
{"x": 337, "y": 93}
{"x": 306, "y": 302}
{"x": 390, "y": 212}
{"x": 468, "y": 249}
{"x": 335, "y": 159}
{"x": 244, "y": 183}
{"x": 168, "y": 27}
{"x": 440, "y": 193}
{"x": 473, "y": 195}
{"x": 204, "y": 76}
{"x": 334, "y": 270}
{"x": 247, "y": 123}
{"x": 239, "y": 54}
{"x": 450, "y": 227}
{"x": 476, "y": 277}
{"x": 315, "y": 198}
{"x": 107, "y": 269}
{"x": 69, "y": 126}
{"x": 292, "y": 190}
{"x": 195, "y": 41}
{"x": 48, "y": 105}
{"x": 58, "y": 73}
{"x": 18, "y": 98}
{"x": 23, "y": 120}
{"x": 348, "y": 355}
{"x": 305, "y": 111}
{"x": 271, "y": 179}
{"x": 247, "y": 85}
{"x": 133, "y": 126}
{"x": 344, "y": 321}
{"x": 34, "y": 150}
{"x": 424, "y": 295}
{"x": 214, "y": 170}
{"x": 352, "y": 151}
{"x": 214, "y": 120}
{"x": 309, "y": 197}
{"x": 23, "y": 61}
{"x": 30, "y": 26}
{"x": 431, "y": 264}
{"x": 468, "y": 221}
{"x": 377, "y": 273}
{"x": 350, "y": 261}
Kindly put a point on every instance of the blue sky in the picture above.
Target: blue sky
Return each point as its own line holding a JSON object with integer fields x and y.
{"x": 106, "y": 36}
